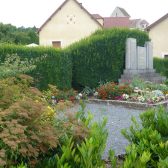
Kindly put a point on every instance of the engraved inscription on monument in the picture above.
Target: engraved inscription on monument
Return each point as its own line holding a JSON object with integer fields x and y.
{"x": 141, "y": 54}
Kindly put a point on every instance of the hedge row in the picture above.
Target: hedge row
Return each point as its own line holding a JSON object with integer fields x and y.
{"x": 161, "y": 66}
{"x": 52, "y": 66}
{"x": 101, "y": 57}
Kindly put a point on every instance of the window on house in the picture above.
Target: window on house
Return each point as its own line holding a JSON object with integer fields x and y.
{"x": 166, "y": 56}
{"x": 56, "y": 44}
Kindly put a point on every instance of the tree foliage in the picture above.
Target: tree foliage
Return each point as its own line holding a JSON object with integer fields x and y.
{"x": 14, "y": 35}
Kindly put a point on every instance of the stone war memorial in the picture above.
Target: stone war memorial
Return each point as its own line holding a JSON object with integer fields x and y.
{"x": 139, "y": 63}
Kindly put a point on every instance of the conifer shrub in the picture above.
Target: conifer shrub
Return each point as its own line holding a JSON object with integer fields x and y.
{"x": 52, "y": 66}
{"x": 161, "y": 66}
{"x": 101, "y": 57}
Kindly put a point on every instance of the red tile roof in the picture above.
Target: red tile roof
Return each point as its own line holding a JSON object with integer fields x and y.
{"x": 110, "y": 22}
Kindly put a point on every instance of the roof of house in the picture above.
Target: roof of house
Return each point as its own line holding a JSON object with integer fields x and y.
{"x": 110, "y": 22}
{"x": 157, "y": 22}
{"x": 125, "y": 13}
{"x": 97, "y": 16}
{"x": 133, "y": 22}
{"x": 59, "y": 8}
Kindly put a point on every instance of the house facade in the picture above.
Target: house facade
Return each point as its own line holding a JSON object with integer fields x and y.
{"x": 158, "y": 33}
{"x": 71, "y": 22}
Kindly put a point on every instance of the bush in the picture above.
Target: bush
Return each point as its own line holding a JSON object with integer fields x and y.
{"x": 149, "y": 141}
{"x": 26, "y": 130}
{"x": 101, "y": 57}
{"x": 13, "y": 65}
{"x": 85, "y": 153}
{"x": 110, "y": 90}
{"x": 32, "y": 131}
{"x": 161, "y": 66}
{"x": 52, "y": 66}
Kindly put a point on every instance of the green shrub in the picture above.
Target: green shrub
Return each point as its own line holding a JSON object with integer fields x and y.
{"x": 161, "y": 66}
{"x": 85, "y": 153}
{"x": 13, "y": 66}
{"x": 52, "y": 66}
{"x": 101, "y": 57}
{"x": 149, "y": 141}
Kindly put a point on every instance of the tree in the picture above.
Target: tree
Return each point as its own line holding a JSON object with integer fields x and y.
{"x": 21, "y": 35}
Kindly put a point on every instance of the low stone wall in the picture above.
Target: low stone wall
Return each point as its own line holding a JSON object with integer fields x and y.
{"x": 128, "y": 104}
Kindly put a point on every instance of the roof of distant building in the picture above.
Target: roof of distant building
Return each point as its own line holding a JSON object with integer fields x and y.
{"x": 134, "y": 22}
{"x": 97, "y": 16}
{"x": 124, "y": 11}
{"x": 110, "y": 22}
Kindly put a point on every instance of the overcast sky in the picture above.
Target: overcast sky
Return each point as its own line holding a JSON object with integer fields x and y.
{"x": 30, "y": 13}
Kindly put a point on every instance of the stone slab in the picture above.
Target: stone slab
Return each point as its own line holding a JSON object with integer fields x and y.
{"x": 141, "y": 54}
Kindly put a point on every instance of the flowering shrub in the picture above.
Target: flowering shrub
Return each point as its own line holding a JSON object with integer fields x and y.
{"x": 111, "y": 90}
{"x": 137, "y": 91}
{"x": 147, "y": 95}
{"x": 26, "y": 130}
{"x": 54, "y": 95}
{"x": 30, "y": 128}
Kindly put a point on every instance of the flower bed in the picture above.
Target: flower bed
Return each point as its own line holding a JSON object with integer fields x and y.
{"x": 137, "y": 91}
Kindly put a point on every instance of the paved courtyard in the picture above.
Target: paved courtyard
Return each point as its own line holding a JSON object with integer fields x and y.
{"x": 119, "y": 118}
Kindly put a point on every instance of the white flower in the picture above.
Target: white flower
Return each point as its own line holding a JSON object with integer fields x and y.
{"x": 137, "y": 90}
{"x": 95, "y": 93}
{"x": 157, "y": 93}
{"x": 77, "y": 97}
{"x": 141, "y": 99}
{"x": 80, "y": 94}
{"x": 125, "y": 96}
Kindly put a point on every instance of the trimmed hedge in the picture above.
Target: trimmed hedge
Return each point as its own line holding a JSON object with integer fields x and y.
{"x": 52, "y": 66}
{"x": 101, "y": 57}
{"x": 161, "y": 66}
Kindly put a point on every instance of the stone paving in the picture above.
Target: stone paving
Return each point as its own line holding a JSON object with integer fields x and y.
{"x": 118, "y": 117}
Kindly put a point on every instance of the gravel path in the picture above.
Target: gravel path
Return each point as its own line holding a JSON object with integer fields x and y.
{"x": 119, "y": 118}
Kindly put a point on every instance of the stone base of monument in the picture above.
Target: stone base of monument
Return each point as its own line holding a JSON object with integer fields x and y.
{"x": 146, "y": 75}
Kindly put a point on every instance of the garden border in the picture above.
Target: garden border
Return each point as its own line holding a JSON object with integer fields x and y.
{"x": 128, "y": 104}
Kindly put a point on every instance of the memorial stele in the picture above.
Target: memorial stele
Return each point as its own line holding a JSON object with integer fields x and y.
{"x": 139, "y": 62}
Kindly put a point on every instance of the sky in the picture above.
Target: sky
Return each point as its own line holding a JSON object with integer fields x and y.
{"x": 29, "y": 13}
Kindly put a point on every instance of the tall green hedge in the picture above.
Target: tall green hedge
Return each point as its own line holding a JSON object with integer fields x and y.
{"x": 52, "y": 66}
{"x": 161, "y": 66}
{"x": 101, "y": 57}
